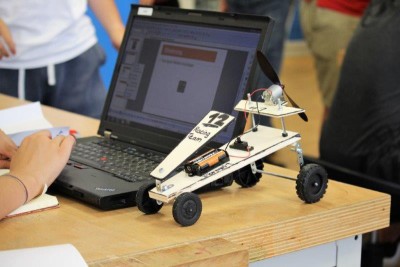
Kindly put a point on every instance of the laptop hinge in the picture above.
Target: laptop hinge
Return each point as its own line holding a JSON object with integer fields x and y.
{"x": 107, "y": 134}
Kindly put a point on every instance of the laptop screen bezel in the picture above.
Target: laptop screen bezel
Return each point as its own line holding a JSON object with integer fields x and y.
{"x": 165, "y": 141}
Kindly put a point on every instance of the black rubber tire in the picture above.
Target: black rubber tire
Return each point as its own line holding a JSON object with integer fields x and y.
{"x": 187, "y": 209}
{"x": 246, "y": 178}
{"x": 144, "y": 203}
{"x": 311, "y": 183}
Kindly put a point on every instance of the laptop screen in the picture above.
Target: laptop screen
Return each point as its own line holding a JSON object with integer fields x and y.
{"x": 171, "y": 73}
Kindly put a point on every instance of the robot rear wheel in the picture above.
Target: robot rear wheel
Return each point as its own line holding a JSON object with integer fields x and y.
{"x": 146, "y": 204}
{"x": 311, "y": 183}
{"x": 245, "y": 176}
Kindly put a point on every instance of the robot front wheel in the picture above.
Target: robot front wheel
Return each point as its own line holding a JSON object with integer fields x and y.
{"x": 187, "y": 209}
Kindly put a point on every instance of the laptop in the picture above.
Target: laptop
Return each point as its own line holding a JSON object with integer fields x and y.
{"x": 174, "y": 66}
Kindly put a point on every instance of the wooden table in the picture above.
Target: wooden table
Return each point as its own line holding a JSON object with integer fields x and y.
{"x": 237, "y": 225}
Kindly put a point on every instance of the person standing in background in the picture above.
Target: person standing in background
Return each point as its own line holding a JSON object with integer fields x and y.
{"x": 362, "y": 131}
{"x": 49, "y": 52}
{"x": 278, "y": 10}
{"x": 328, "y": 26}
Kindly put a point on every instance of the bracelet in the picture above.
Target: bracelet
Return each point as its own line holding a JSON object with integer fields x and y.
{"x": 22, "y": 183}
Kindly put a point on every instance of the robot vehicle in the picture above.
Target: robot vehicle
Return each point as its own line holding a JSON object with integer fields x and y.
{"x": 240, "y": 160}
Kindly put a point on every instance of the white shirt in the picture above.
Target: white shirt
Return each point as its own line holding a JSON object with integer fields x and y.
{"x": 46, "y": 32}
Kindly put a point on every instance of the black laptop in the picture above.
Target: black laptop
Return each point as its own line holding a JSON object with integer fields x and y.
{"x": 174, "y": 66}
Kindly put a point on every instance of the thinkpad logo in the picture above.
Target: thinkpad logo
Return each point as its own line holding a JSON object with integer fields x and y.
{"x": 105, "y": 189}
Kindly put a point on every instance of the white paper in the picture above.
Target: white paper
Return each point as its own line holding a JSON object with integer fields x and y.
{"x": 21, "y": 121}
{"x": 39, "y": 203}
{"x": 65, "y": 255}
{"x": 23, "y": 118}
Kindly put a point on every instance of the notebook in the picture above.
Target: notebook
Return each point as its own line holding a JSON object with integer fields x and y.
{"x": 174, "y": 66}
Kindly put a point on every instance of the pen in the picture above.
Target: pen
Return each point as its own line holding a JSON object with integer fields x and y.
{"x": 74, "y": 133}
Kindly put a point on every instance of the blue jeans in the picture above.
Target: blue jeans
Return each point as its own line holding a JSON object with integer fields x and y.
{"x": 78, "y": 87}
{"x": 277, "y": 10}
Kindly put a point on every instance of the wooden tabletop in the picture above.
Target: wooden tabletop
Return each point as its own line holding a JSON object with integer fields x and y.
{"x": 237, "y": 224}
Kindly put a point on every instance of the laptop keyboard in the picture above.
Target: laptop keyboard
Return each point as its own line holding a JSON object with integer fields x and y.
{"x": 122, "y": 160}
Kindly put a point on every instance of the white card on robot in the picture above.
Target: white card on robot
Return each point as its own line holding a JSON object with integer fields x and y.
{"x": 201, "y": 134}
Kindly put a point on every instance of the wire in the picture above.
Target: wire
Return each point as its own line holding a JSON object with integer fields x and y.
{"x": 251, "y": 94}
{"x": 250, "y": 130}
{"x": 258, "y": 110}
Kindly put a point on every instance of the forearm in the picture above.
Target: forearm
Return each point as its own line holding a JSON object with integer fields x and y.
{"x": 107, "y": 13}
{"x": 12, "y": 195}
{"x": 7, "y": 40}
{"x": 36, "y": 164}
{"x": 223, "y": 6}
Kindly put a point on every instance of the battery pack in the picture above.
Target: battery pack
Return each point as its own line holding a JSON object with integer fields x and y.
{"x": 206, "y": 162}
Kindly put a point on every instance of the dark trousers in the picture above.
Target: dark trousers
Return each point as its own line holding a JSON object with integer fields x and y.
{"x": 78, "y": 86}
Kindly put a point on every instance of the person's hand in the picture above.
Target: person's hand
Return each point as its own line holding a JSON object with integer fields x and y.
{"x": 40, "y": 159}
{"x": 7, "y": 150}
{"x": 117, "y": 35}
{"x": 6, "y": 40}
{"x": 223, "y": 6}
{"x": 108, "y": 15}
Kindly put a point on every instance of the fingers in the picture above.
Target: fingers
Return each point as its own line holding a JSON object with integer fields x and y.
{"x": 67, "y": 144}
{"x": 7, "y": 146}
{"x": 4, "y": 164}
{"x": 40, "y": 134}
{"x": 46, "y": 133}
{"x": 7, "y": 45}
{"x": 58, "y": 139}
{"x": 62, "y": 138}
